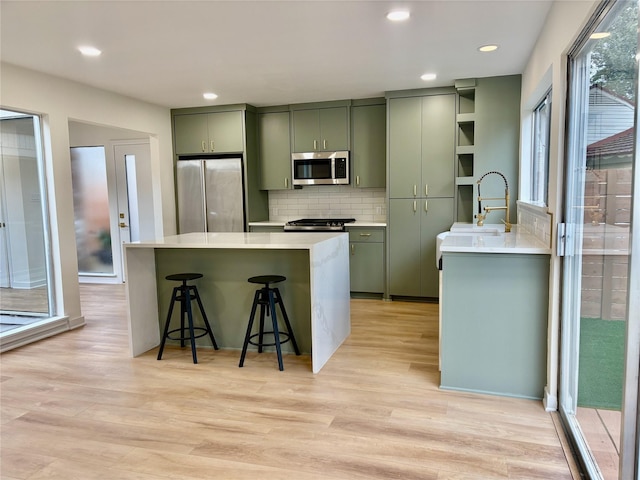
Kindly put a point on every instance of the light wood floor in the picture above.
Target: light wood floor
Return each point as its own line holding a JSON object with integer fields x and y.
{"x": 76, "y": 406}
{"x": 601, "y": 429}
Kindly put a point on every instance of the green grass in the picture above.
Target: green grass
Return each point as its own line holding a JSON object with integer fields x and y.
{"x": 601, "y": 368}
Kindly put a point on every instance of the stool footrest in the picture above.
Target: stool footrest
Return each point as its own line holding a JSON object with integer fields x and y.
{"x": 284, "y": 338}
{"x": 195, "y": 329}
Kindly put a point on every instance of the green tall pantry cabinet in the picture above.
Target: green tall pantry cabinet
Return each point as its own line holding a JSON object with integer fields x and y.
{"x": 421, "y": 188}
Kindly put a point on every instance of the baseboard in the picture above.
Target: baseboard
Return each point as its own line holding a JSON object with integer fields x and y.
{"x": 549, "y": 401}
{"x": 33, "y": 332}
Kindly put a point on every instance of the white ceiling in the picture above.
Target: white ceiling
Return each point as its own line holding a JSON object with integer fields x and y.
{"x": 267, "y": 52}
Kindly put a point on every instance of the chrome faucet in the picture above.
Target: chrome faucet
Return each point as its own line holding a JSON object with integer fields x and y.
{"x": 482, "y": 216}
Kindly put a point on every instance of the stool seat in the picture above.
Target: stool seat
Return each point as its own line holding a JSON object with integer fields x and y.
{"x": 185, "y": 294}
{"x": 267, "y": 279}
{"x": 181, "y": 277}
{"x": 267, "y": 298}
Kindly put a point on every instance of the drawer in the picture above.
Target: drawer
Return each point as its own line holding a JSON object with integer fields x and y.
{"x": 370, "y": 235}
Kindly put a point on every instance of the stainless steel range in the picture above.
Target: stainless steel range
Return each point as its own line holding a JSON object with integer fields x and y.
{"x": 318, "y": 225}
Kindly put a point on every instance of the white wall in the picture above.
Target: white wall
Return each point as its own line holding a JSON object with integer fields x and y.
{"x": 547, "y": 67}
{"x": 59, "y": 101}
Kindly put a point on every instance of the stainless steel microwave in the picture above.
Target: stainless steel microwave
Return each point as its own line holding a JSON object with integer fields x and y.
{"x": 320, "y": 168}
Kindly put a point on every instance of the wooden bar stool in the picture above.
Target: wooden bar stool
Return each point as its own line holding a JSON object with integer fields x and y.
{"x": 268, "y": 297}
{"x": 185, "y": 294}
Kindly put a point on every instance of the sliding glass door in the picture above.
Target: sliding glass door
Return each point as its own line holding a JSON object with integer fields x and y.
{"x": 25, "y": 279}
{"x": 597, "y": 324}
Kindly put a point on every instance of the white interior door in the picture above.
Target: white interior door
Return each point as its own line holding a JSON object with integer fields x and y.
{"x": 127, "y": 158}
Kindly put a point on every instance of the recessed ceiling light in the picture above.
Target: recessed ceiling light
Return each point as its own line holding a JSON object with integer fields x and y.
{"x": 398, "y": 15}
{"x": 599, "y": 35}
{"x": 89, "y": 51}
{"x": 210, "y": 96}
{"x": 488, "y": 48}
{"x": 428, "y": 76}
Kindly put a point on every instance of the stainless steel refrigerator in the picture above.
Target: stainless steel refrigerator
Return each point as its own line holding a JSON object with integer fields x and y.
{"x": 210, "y": 195}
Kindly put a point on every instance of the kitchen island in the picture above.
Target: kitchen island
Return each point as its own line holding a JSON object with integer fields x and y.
{"x": 316, "y": 292}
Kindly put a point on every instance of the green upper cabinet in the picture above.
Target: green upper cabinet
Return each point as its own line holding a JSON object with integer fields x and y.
{"x": 320, "y": 129}
{"x": 405, "y": 146}
{"x": 274, "y": 151}
{"x": 220, "y": 132}
{"x": 190, "y": 133}
{"x": 422, "y": 146}
{"x": 368, "y": 145}
{"x": 438, "y": 145}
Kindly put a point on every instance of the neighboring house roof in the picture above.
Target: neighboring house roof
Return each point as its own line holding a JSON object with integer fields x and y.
{"x": 612, "y": 150}
{"x": 618, "y": 144}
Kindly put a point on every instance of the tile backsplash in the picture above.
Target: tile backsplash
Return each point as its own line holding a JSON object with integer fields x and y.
{"x": 536, "y": 221}
{"x": 363, "y": 204}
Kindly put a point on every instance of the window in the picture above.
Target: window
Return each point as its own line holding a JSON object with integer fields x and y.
{"x": 540, "y": 162}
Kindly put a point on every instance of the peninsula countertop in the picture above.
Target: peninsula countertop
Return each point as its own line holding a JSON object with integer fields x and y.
{"x": 492, "y": 239}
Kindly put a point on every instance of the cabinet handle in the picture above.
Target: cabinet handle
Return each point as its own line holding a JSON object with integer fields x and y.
{"x": 204, "y": 146}
{"x": 357, "y": 180}
{"x": 324, "y": 144}
{"x": 426, "y": 189}
{"x": 315, "y": 144}
{"x": 353, "y": 249}
{"x": 415, "y": 190}
{"x": 365, "y": 234}
{"x": 415, "y": 206}
{"x": 213, "y": 149}
{"x": 426, "y": 205}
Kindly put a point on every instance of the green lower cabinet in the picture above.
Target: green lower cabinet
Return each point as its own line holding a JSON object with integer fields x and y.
{"x": 494, "y": 323}
{"x": 414, "y": 225}
{"x": 366, "y": 260}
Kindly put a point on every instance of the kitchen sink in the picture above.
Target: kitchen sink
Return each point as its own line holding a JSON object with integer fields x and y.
{"x": 472, "y": 229}
{"x": 466, "y": 230}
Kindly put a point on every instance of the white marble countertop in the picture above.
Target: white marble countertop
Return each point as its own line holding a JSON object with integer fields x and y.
{"x": 357, "y": 223}
{"x": 491, "y": 239}
{"x": 264, "y": 240}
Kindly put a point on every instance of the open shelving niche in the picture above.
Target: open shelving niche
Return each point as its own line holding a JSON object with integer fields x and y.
{"x": 465, "y": 148}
